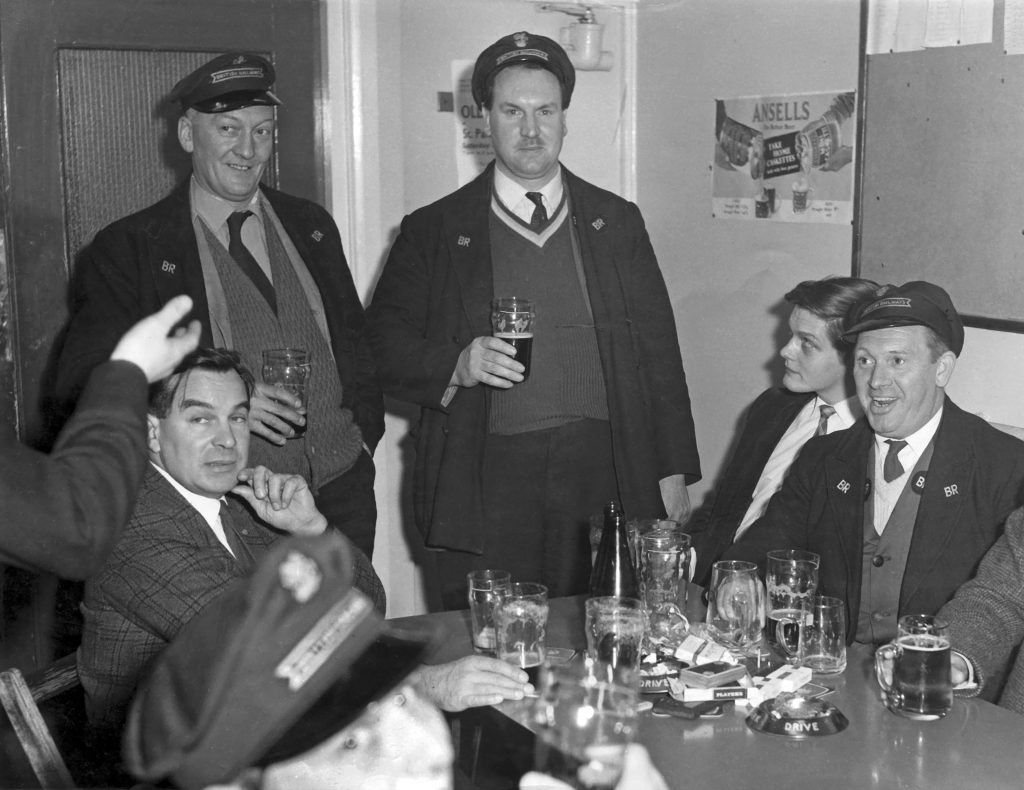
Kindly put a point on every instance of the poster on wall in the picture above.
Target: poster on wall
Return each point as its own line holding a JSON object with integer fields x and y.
{"x": 472, "y": 142}
{"x": 786, "y": 158}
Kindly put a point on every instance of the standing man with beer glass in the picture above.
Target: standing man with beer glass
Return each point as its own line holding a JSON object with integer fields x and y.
{"x": 509, "y": 469}
{"x": 265, "y": 270}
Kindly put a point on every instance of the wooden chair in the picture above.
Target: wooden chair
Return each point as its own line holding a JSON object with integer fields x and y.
{"x": 21, "y": 697}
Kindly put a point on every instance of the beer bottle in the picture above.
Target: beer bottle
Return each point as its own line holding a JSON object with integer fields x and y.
{"x": 613, "y": 572}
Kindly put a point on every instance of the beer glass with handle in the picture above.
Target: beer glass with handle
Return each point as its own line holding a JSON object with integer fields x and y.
{"x": 914, "y": 670}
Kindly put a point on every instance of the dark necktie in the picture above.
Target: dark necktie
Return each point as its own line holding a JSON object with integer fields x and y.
{"x": 826, "y": 412}
{"x": 245, "y": 261}
{"x": 242, "y": 554}
{"x": 540, "y": 214}
{"x": 892, "y": 468}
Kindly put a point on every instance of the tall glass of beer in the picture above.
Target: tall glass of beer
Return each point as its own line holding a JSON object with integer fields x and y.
{"x": 512, "y": 320}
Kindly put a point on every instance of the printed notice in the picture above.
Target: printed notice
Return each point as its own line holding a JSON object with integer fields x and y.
{"x": 473, "y": 149}
{"x": 786, "y": 158}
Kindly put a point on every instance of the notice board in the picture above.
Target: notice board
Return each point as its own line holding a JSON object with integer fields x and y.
{"x": 942, "y": 176}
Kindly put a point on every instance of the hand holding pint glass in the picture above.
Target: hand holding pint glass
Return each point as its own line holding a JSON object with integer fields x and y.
{"x": 512, "y": 320}
{"x": 520, "y": 620}
{"x": 288, "y": 368}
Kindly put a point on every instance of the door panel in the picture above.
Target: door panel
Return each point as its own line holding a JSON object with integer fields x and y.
{"x": 88, "y": 136}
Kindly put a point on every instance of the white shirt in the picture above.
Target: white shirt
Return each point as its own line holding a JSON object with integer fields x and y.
{"x": 214, "y": 211}
{"x": 885, "y": 495}
{"x": 799, "y": 431}
{"x": 514, "y": 197}
{"x": 208, "y": 507}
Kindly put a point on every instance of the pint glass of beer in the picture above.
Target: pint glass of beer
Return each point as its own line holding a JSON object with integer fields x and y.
{"x": 520, "y": 620}
{"x": 914, "y": 670}
{"x": 512, "y": 320}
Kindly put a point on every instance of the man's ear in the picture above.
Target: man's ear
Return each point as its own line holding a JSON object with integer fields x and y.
{"x": 944, "y": 370}
{"x": 185, "y": 133}
{"x": 153, "y": 434}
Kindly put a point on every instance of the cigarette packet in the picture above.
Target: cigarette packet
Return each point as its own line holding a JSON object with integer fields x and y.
{"x": 719, "y": 693}
{"x": 694, "y": 650}
{"x": 790, "y": 678}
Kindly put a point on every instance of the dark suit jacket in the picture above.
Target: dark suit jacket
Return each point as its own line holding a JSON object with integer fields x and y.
{"x": 63, "y": 512}
{"x": 135, "y": 265}
{"x": 716, "y": 522}
{"x": 167, "y": 566}
{"x": 434, "y": 297}
{"x": 973, "y": 484}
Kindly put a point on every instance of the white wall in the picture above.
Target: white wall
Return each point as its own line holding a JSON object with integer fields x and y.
{"x": 727, "y": 277}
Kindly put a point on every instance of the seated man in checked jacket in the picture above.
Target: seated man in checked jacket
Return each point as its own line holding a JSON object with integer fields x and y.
{"x": 202, "y": 521}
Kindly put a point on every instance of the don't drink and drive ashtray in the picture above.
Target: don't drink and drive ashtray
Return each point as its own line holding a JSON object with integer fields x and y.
{"x": 796, "y": 716}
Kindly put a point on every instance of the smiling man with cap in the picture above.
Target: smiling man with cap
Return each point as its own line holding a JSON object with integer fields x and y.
{"x": 605, "y": 411}
{"x": 902, "y": 506}
{"x": 265, "y": 270}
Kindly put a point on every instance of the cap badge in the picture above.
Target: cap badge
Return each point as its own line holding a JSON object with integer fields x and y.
{"x": 520, "y": 39}
{"x": 239, "y": 59}
{"x": 323, "y": 639}
{"x": 300, "y": 576}
{"x": 892, "y": 301}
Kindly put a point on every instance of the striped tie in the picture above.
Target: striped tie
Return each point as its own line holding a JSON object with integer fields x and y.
{"x": 826, "y": 412}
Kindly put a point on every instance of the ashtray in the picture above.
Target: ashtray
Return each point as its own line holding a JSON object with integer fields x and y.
{"x": 654, "y": 677}
{"x": 796, "y": 716}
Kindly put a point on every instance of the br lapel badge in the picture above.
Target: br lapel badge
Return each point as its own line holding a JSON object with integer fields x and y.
{"x": 167, "y": 267}
{"x": 843, "y": 486}
{"x": 917, "y": 484}
{"x": 463, "y": 241}
{"x": 598, "y": 223}
{"x": 317, "y": 235}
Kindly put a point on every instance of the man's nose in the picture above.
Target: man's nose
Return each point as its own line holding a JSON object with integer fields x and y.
{"x": 529, "y": 125}
{"x": 245, "y": 146}
{"x": 879, "y": 376}
{"x": 225, "y": 436}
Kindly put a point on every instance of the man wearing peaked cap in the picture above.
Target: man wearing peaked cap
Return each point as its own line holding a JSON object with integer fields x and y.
{"x": 265, "y": 270}
{"x": 902, "y": 506}
{"x": 291, "y": 680}
{"x": 605, "y": 411}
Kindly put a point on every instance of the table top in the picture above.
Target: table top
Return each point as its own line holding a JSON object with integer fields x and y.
{"x": 978, "y": 745}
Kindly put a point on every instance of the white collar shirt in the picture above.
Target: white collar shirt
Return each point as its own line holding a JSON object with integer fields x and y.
{"x": 802, "y": 428}
{"x": 208, "y": 507}
{"x": 214, "y": 211}
{"x": 513, "y": 195}
{"x": 885, "y": 495}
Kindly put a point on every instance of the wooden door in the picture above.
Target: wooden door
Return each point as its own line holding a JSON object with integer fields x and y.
{"x": 88, "y": 136}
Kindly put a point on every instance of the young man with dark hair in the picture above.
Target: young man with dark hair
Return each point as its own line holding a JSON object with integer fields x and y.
{"x": 817, "y": 397}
